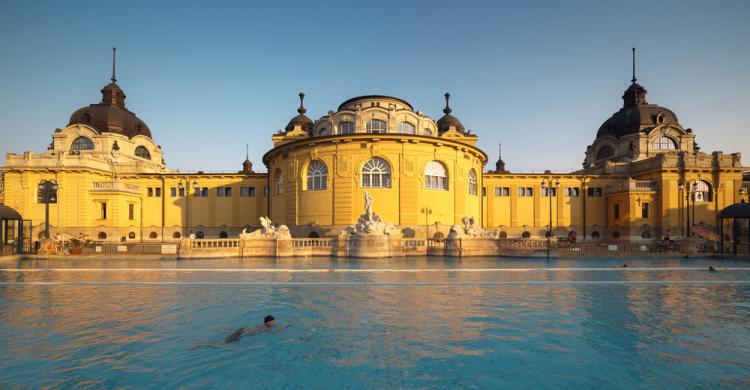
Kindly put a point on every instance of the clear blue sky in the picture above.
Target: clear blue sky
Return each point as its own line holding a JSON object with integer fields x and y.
{"x": 540, "y": 77}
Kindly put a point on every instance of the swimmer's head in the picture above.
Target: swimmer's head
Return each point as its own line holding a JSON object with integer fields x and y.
{"x": 269, "y": 321}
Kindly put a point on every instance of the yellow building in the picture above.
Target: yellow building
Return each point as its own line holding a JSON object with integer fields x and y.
{"x": 643, "y": 178}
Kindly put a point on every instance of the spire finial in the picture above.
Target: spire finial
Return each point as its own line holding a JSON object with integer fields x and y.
{"x": 114, "y": 51}
{"x": 247, "y": 151}
{"x": 499, "y": 150}
{"x": 447, "y": 108}
{"x": 634, "y": 79}
{"x": 301, "y": 108}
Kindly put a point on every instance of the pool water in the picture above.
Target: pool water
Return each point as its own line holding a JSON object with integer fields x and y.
{"x": 399, "y": 323}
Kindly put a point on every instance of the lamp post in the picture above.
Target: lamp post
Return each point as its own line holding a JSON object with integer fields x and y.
{"x": 426, "y": 211}
{"x": 47, "y": 193}
{"x": 184, "y": 185}
{"x": 551, "y": 187}
{"x": 694, "y": 187}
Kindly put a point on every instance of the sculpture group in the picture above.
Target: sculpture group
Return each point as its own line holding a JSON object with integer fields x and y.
{"x": 370, "y": 222}
{"x": 268, "y": 231}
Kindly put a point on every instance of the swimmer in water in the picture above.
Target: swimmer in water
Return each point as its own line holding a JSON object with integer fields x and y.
{"x": 268, "y": 323}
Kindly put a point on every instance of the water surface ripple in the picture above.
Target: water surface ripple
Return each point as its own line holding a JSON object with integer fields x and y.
{"x": 400, "y": 323}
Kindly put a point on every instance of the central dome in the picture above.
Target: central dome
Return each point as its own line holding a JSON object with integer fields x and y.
{"x": 636, "y": 115}
{"x": 110, "y": 115}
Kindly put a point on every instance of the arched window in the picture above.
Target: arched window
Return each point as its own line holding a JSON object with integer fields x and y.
{"x": 615, "y": 234}
{"x": 595, "y": 234}
{"x": 406, "y": 128}
{"x": 435, "y": 176}
{"x": 324, "y": 131}
{"x": 427, "y": 132}
{"x": 525, "y": 235}
{"x": 102, "y": 236}
{"x": 376, "y": 173}
{"x": 142, "y": 152}
{"x": 604, "y": 152}
{"x": 200, "y": 235}
{"x": 702, "y": 191}
{"x": 503, "y": 234}
{"x": 317, "y": 173}
{"x": 645, "y": 235}
{"x": 131, "y": 235}
{"x": 313, "y": 234}
{"x": 176, "y": 235}
{"x": 472, "y": 182}
{"x": 346, "y": 127}
{"x": 278, "y": 178}
{"x": 223, "y": 235}
{"x": 82, "y": 143}
{"x": 664, "y": 143}
{"x": 377, "y": 126}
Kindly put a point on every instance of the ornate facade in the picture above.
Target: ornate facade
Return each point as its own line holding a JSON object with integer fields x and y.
{"x": 643, "y": 178}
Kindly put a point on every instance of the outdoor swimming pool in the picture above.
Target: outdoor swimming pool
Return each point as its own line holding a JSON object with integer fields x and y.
{"x": 399, "y": 323}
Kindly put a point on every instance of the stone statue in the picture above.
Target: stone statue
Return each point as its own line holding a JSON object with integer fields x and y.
{"x": 368, "y": 206}
{"x": 370, "y": 222}
{"x": 267, "y": 230}
{"x": 470, "y": 229}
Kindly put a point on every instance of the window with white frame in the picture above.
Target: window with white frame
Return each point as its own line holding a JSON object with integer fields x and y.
{"x": 279, "y": 180}
{"x": 664, "y": 143}
{"x": 406, "y": 128}
{"x": 317, "y": 174}
{"x": 376, "y": 126}
{"x": 435, "y": 176}
{"x": 142, "y": 152}
{"x": 82, "y": 143}
{"x": 346, "y": 127}
{"x": 472, "y": 179}
{"x": 427, "y": 132}
{"x": 376, "y": 173}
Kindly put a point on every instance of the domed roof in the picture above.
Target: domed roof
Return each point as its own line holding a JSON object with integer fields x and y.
{"x": 636, "y": 114}
{"x": 110, "y": 115}
{"x": 302, "y": 120}
{"x": 446, "y": 121}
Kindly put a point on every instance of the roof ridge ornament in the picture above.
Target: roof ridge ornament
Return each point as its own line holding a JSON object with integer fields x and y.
{"x": 447, "y": 108}
{"x": 301, "y": 108}
{"x": 633, "y": 80}
{"x": 114, "y": 52}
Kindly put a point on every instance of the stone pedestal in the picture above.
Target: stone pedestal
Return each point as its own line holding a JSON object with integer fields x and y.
{"x": 369, "y": 245}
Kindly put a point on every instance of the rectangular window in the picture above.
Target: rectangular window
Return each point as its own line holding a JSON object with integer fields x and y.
{"x": 220, "y": 192}
{"x": 227, "y": 191}
{"x": 173, "y": 191}
{"x": 594, "y": 191}
{"x": 617, "y": 210}
{"x": 204, "y": 192}
{"x": 549, "y": 191}
{"x": 197, "y": 192}
{"x": 265, "y": 191}
{"x": 484, "y": 191}
{"x": 182, "y": 191}
{"x": 644, "y": 211}
{"x": 247, "y": 191}
{"x": 158, "y": 192}
{"x": 525, "y": 191}
{"x": 572, "y": 192}
{"x": 131, "y": 211}
{"x": 103, "y": 210}
{"x": 150, "y": 191}
{"x": 497, "y": 191}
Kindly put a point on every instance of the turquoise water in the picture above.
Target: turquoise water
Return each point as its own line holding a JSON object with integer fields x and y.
{"x": 403, "y": 323}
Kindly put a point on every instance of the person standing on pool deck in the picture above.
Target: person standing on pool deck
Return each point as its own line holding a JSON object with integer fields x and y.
{"x": 268, "y": 322}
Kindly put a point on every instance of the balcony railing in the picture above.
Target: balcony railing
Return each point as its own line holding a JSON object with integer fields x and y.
{"x": 634, "y": 186}
{"x": 115, "y": 186}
